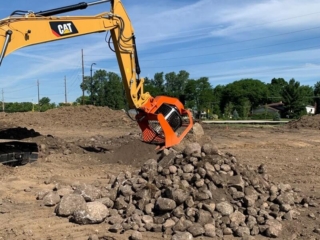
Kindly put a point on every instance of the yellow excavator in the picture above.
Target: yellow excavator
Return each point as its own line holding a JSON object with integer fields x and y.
{"x": 163, "y": 120}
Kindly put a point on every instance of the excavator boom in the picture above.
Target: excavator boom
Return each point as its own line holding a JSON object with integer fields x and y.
{"x": 160, "y": 118}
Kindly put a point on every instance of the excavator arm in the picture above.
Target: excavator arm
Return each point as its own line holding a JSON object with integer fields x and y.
{"x": 161, "y": 119}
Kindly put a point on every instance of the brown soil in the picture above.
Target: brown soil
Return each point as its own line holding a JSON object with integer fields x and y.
{"x": 309, "y": 122}
{"x": 87, "y": 143}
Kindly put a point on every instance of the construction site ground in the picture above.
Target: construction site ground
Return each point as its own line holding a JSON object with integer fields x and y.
{"x": 86, "y": 143}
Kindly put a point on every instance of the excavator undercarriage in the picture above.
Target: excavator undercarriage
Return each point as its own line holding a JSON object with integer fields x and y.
{"x": 17, "y": 152}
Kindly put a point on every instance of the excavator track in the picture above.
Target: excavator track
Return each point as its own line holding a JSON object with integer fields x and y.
{"x": 18, "y": 152}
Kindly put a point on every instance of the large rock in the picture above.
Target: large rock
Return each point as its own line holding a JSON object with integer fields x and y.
{"x": 181, "y": 225}
{"x": 178, "y": 195}
{"x": 209, "y": 148}
{"x": 236, "y": 182}
{"x": 242, "y": 231}
{"x": 182, "y": 236}
{"x": 193, "y": 149}
{"x": 274, "y": 228}
{"x": 210, "y": 230}
{"x": 96, "y": 212}
{"x": 69, "y": 204}
{"x": 89, "y": 192}
{"x": 136, "y": 236}
{"x": 165, "y": 204}
{"x": 197, "y": 131}
{"x": 237, "y": 218}
{"x": 196, "y": 230}
{"x": 151, "y": 164}
{"x": 285, "y": 198}
{"x": 64, "y": 191}
{"x": 169, "y": 223}
{"x": 106, "y": 201}
{"x": 224, "y": 208}
{"x": 204, "y": 217}
{"x": 51, "y": 199}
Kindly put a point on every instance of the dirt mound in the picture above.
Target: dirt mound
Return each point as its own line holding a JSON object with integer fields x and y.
{"x": 74, "y": 116}
{"x": 309, "y": 122}
{"x": 125, "y": 148}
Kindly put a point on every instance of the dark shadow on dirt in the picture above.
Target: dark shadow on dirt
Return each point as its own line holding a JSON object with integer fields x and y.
{"x": 18, "y": 133}
{"x": 95, "y": 149}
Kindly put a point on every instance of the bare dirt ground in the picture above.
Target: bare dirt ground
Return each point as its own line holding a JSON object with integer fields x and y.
{"x": 87, "y": 143}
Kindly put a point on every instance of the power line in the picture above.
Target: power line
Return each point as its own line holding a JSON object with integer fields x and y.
{"x": 257, "y": 71}
{"x": 21, "y": 89}
{"x": 238, "y": 50}
{"x": 224, "y": 44}
{"x": 244, "y": 27}
{"x": 235, "y": 59}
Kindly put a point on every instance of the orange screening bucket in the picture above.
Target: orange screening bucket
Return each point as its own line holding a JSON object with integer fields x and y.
{"x": 164, "y": 121}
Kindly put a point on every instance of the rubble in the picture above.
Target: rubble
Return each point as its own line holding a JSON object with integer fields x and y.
{"x": 199, "y": 192}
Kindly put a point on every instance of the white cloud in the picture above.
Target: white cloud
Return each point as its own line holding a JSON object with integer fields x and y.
{"x": 267, "y": 15}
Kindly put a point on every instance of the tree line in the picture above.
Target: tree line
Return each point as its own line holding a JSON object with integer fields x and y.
{"x": 240, "y": 97}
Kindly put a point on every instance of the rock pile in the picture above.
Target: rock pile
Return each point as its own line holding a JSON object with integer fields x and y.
{"x": 196, "y": 192}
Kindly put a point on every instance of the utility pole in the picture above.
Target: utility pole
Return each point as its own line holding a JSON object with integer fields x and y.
{"x": 65, "y": 89}
{"x": 82, "y": 76}
{"x": 2, "y": 101}
{"x": 91, "y": 86}
{"x": 38, "y": 84}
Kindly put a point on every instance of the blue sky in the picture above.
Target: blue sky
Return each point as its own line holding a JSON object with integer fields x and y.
{"x": 223, "y": 40}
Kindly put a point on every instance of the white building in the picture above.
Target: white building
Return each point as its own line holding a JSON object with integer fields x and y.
{"x": 310, "y": 109}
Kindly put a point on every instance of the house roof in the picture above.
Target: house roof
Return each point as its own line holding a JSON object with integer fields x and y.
{"x": 263, "y": 108}
{"x": 277, "y": 104}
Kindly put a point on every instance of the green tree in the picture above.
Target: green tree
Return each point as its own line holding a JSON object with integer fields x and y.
{"x": 216, "y": 99}
{"x": 155, "y": 86}
{"x": 88, "y": 87}
{"x": 228, "y": 110}
{"x": 293, "y": 99}
{"x": 275, "y": 89}
{"x": 158, "y": 84}
{"x": 316, "y": 93}
{"x": 99, "y": 84}
{"x": 105, "y": 89}
{"x": 175, "y": 83}
{"x": 204, "y": 93}
{"x": 44, "y": 104}
{"x": 246, "y": 107}
{"x": 191, "y": 95}
{"x": 235, "y": 114}
{"x": 18, "y": 107}
{"x": 199, "y": 94}
{"x": 246, "y": 89}
{"x": 44, "y": 101}
{"x": 86, "y": 100}
{"x": 307, "y": 93}
{"x": 113, "y": 91}
{"x": 93, "y": 86}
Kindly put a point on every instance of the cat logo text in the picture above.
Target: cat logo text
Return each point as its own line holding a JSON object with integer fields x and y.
{"x": 61, "y": 29}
